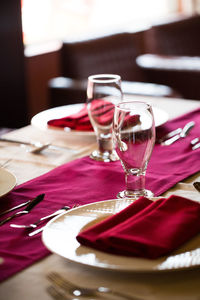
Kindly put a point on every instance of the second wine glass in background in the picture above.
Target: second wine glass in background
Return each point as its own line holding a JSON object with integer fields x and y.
{"x": 134, "y": 138}
{"x": 103, "y": 93}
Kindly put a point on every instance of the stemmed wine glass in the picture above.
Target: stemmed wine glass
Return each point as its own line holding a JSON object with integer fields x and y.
{"x": 103, "y": 93}
{"x": 134, "y": 138}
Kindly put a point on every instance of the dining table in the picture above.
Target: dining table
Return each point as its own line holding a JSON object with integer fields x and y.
{"x": 32, "y": 283}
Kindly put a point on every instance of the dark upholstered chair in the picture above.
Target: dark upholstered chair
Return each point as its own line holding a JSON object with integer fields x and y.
{"x": 114, "y": 54}
{"x": 108, "y": 54}
{"x": 63, "y": 90}
{"x": 173, "y": 56}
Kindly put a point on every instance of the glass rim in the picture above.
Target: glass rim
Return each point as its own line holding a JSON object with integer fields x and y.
{"x": 145, "y": 105}
{"x": 104, "y": 78}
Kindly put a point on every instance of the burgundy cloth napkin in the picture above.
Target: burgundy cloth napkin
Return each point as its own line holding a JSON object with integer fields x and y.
{"x": 151, "y": 232}
{"x": 89, "y": 237}
{"x": 78, "y": 121}
{"x": 102, "y": 111}
{"x": 85, "y": 181}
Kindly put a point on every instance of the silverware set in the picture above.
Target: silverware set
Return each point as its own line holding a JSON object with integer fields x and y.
{"x": 177, "y": 134}
{"x": 30, "y": 204}
{"x": 169, "y": 135}
{"x": 62, "y": 289}
{"x": 36, "y": 223}
{"x": 29, "y": 207}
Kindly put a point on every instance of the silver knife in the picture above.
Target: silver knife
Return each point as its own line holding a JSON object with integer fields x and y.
{"x": 30, "y": 206}
{"x": 38, "y": 145}
{"x": 185, "y": 131}
{"x": 14, "y": 208}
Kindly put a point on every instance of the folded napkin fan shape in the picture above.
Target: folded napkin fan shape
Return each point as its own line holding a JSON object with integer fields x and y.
{"x": 145, "y": 228}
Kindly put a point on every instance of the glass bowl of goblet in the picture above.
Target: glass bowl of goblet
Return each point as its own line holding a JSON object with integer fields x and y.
{"x": 134, "y": 139}
{"x": 103, "y": 93}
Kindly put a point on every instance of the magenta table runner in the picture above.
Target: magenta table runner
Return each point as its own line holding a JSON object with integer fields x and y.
{"x": 85, "y": 181}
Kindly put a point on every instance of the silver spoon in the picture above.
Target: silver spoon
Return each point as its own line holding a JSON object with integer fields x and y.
{"x": 39, "y": 149}
{"x": 185, "y": 131}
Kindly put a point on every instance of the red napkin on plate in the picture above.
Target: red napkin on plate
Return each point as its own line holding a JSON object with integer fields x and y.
{"x": 91, "y": 234}
{"x": 153, "y": 230}
{"x": 102, "y": 111}
{"x": 78, "y": 121}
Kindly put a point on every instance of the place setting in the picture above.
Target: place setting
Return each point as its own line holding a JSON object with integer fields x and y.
{"x": 78, "y": 235}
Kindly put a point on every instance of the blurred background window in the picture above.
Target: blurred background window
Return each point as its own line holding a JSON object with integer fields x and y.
{"x": 47, "y": 20}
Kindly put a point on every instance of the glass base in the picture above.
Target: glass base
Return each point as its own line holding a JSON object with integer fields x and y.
{"x": 135, "y": 194}
{"x": 104, "y": 156}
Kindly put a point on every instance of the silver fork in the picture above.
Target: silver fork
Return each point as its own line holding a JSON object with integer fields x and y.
{"x": 78, "y": 291}
{"x": 57, "y": 295}
{"x": 42, "y": 228}
{"x": 34, "y": 225}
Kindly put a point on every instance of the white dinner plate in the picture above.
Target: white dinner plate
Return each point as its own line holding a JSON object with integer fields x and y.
{"x": 7, "y": 182}
{"x": 59, "y": 236}
{"x": 40, "y": 120}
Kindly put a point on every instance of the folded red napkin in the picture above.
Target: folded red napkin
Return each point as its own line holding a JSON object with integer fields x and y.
{"x": 146, "y": 229}
{"x": 102, "y": 112}
{"x": 78, "y": 121}
{"x": 90, "y": 235}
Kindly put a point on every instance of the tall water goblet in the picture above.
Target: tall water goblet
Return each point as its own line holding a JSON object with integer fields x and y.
{"x": 103, "y": 93}
{"x": 134, "y": 138}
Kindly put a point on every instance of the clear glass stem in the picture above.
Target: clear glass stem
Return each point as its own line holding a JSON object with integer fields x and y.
{"x": 104, "y": 144}
{"x": 135, "y": 185}
{"x": 135, "y": 182}
{"x": 105, "y": 150}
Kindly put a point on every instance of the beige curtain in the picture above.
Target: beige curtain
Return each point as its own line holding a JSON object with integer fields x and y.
{"x": 190, "y": 6}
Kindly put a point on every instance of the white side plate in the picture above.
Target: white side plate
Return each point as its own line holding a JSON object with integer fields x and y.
{"x": 7, "y": 182}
